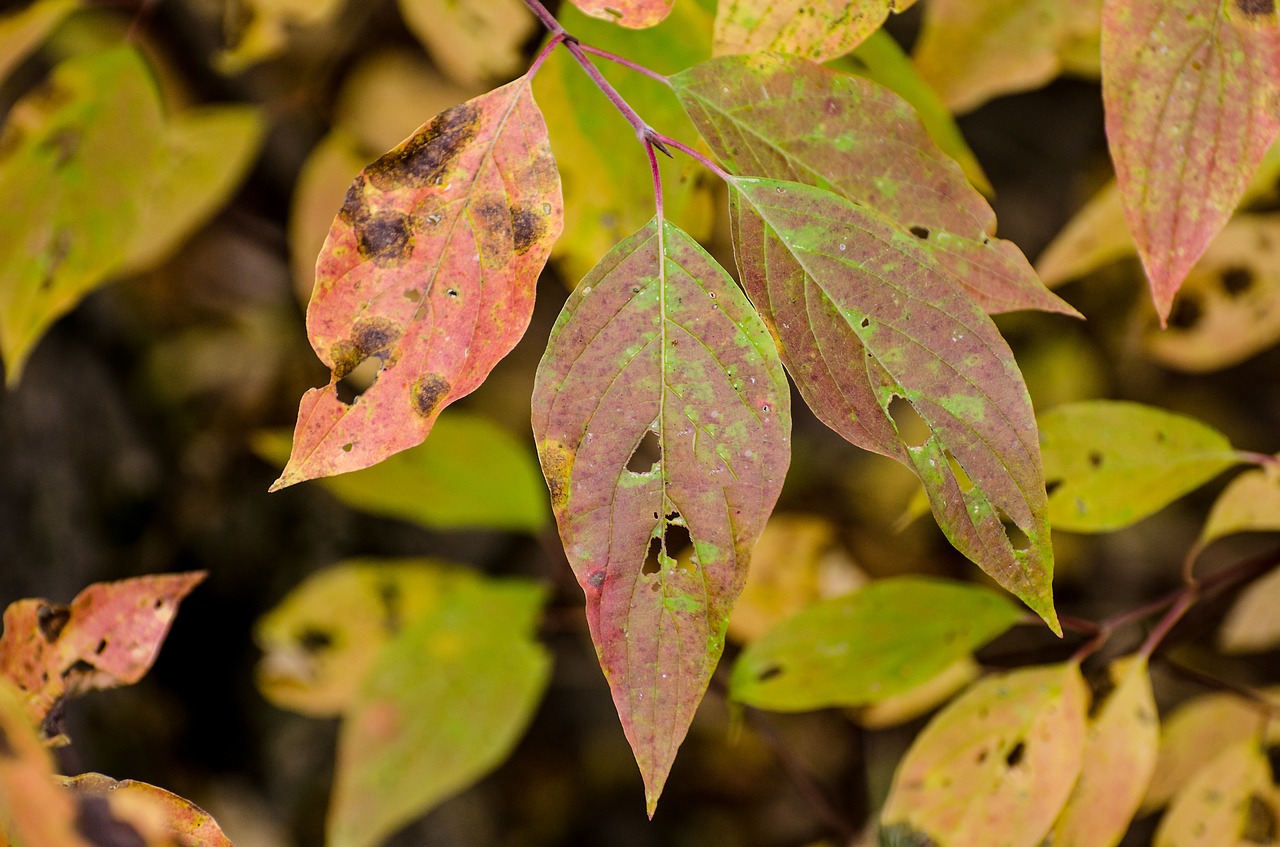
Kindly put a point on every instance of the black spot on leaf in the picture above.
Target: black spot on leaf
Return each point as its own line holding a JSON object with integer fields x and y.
{"x": 51, "y": 619}
{"x": 771, "y": 672}
{"x": 1014, "y": 757}
{"x": 919, "y": 232}
{"x": 527, "y": 228}
{"x": 369, "y": 337}
{"x": 427, "y": 394}
{"x": 314, "y": 640}
{"x": 596, "y": 578}
{"x": 1256, "y": 8}
{"x": 425, "y": 157}
{"x": 386, "y": 239}
{"x": 1236, "y": 281}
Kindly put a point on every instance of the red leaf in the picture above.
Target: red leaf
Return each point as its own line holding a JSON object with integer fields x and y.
{"x": 430, "y": 268}
{"x": 658, "y": 339}
{"x": 636, "y": 14}
{"x": 1192, "y": 98}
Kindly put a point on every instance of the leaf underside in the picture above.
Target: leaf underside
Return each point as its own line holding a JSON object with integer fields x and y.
{"x": 430, "y": 268}
{"x": 659, "y": 345}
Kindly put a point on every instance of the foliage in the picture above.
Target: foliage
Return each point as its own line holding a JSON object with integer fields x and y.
{"x": 868, "y": 269}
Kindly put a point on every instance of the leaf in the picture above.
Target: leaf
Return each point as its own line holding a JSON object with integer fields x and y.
{"x": 854, "y": 650}
{"x": 658, "y": 353}
{"x": 107, "y": 637}
{"x": 23, "y": 31}
{"x": 1230, "y": 803}
{"x": 1251, "y": 625}
{"x": 73, "y": 153}
{"x": 162, "y": 817}
{"x": 995, "y": 766}
{"x": 634, "y": 14}
{"x": 1119, "y": 758}
{"x": 1109, "y": 464}
{"x": 267, "y": 27}
{"x": 898, "y": 709}
{"x": 971, "y": 51}
{"x": 319, "y": 643}
{"x": 1228, "y": 310}
{"x": 1190, "y": 99}
{"x": 444, "y": 703}
{"x": 33, "y": 810}
{"x": 786, "y": 118}
{"x": 818, "y": 31}
{"x": 470, "y": 473}
{"x": 1249, "y": 503}
{"x": 867, "y": 320}
{"x": 430, "y": 268}
{"x": 473, "y": 43}
{"x": 609, "y": 195}
{"x": 207, "y": 153}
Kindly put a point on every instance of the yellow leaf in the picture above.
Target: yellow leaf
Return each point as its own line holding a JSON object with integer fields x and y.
{"x": 269, "y": 27}
{"x": 1252, "y": 625}
{"x": 473, "y": 43}
{"x": 23, "y": 31}
{"x": 925, "y": 697}
{"x": 1229, "y": 803}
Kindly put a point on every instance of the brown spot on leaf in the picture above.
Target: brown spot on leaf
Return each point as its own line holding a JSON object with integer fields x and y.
{"x": 1236, "y": 281}
{"x": 527, "y": 227}
{"x": 6, "y": 749}
{"x": 354, "y": 207}
{"x": 424, "y": 158}
{"x": 64, "y": 143}
{"x": 1256, "y": 8}
{"x": 557, "y": 466}
{"x": 51, "y": 619}
{"x": 427, "y": 394}
{"x": 596, "y": 579}
{"x": 369, "y": 337}
{"x": 386, "y": 239}
{"x": 1259, "y": 822}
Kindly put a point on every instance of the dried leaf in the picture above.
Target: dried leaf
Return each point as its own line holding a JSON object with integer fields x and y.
{"x": 443, "y": 704}
{"x": 430, "y": 268}
{"x": 473, "y": 43}
{"x": 1192, "y": 102}
{"x": 34, "y": 811}
{"x": 1119, "y": 758}
{"x": 22, "y": 32}
{"x": 107, "y": 637}
{"x": 164, "y": 817}
{"x": 854, "y": 650}
{"x": 74, "y": 152}
{"x": 321, "y": 640}
{"x": 867, "y": 320}
{"x": 1109, "y": 464}
{"x": 660, "y": 409}
{"x": 1250, "y": 503}
{"x": 1252, "y": 625}
{"x": 995, "y": 766}
{"x": 818, "y": 31}
{"x": 972, "y": 51}
{"x": 470, "y": 473}
{"x": 634, "y": 14}
{"x": 1230, "y": 803}
{"x": 609, "y": 195}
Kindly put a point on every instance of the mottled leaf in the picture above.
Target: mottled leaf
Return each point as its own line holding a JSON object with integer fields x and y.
{"x": 608, "y": 192}
{"x": 1229, "y": 307}
{"x": 660, "y": 411}
{"x": 853, "y": 650}
{"x": 444, "y": 704}
{"x": 430, "y": 269}
{"x": 1119, "y": 757}
{"x": 473, "y": 43}
{"x": 995, "y": 766}
{"x": 1192, "y": 101}
{"x": 470, "y": 473}
{"x": 924, "y": 698}
{"x": 1231, "y": 802}
{"x": 108, "y": 636}
{"x": 34, "y": 811}
{"x": 818, "y": 31}
{"x": 161, "y": 817}
{"x": 1250, "y": 503}
{"x": 1109, "y": 464}
{"x": 876, "y": 338}
{"x": 972, "y": 51}
{"x": 23, "y": 31}
{"x": 319, "y": 643}
{"x": 1252, "y": 625}
{"x": 266, "y": 26}
{"x": 73, "y": 154}
{"x": 635, "y": 14}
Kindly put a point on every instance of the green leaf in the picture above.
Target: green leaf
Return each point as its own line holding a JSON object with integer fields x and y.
{"x": 1231, "y": 802}
{"x": 814, "y": 30}
{"x": 867, "y": 320}
{"x": 995, "y": 766}
{"x": 23, "y": 31}
{"x": 1110, "y": 464}
{"x": 429, "y": 269}
{"x": 609, "y": 194}
{"x": 469, "y": 473}
{"x": 660, "y": 410}
{"x": 1190, "y": 98}
{"x": 854, "y": 650}
{"x": 443, "y": 705}
{"x": 74, "y": 152}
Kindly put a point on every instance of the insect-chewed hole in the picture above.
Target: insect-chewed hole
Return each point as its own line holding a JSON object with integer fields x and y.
{"x": 911, "y": 427}
{"x": 651, "y": 563}
{"x": 646, "y": 455}
{"x": 1014, "y": 757}
{"x": 1052, "y": 485}
{"x": 1019, "y": 539}
{"x": 771, "y": 672}
{"x": 674, "y": 539}
{"x": 962, "y": 478}
{"x": 360, "y": 380}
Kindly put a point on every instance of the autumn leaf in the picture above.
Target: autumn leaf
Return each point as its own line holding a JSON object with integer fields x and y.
{"x": 660, "y": 410}
{"x": 159, "y": 816}
{"x": 876, "y": 337}
{"x": 266, "y": 27}
{"x": 23, "y": 31}
{"x": 921, "y": 699}
{"x": 995, "y": 766}
{"x": 1250, "y": 503}
{"x": 33, "y": 809}
{"x": 430, "y": 268}
{"x": 1231, "y": 802}
{"x": 471, "y": 42}
{"x": 634, "y": 14}
{"x": 1109, "y": 464}
{"x": 1251, "y": 625}
{"x": 1192, "y": 102}
{"x": 818, "y": 31}
{"x": 854, "y": 650}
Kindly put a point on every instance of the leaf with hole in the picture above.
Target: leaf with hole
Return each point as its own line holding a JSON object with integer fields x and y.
{"x": 430, "y": 269}
{"x": 633, "y": 14}
{"x": 854, "y": 650}
{"x": 818, "y": 31}
{"x": 442, "y": 705}
{"x": 1109, "y": 464}
{"x": 995, "y": 766}
{"x": 661, "y": 412}
{"x": 1231, "y": 802}
{"x": 1191, "y": 101}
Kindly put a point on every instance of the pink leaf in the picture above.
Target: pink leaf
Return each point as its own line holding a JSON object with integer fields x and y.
{"x": 635, "y": 14}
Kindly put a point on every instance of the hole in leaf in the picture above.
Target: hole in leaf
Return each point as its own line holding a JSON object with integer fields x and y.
{"x": 1095, "y": 459}
{"x": 677, "y": 536}
{"x": 101, "y": 648}
{"x": 646, "y": 455}
{"x": 920, "y": 232}
{"x": 1014, "y": 758}
{"x": 1186, "y": 313}
{"x": 866, "y": 322}
{"x": 1259, "y": 822}
{"x": 314, "y": 640}
{"x": 1051, "y": 486}
{"x": 346, "y": 448}
{"x": 911, "y": 427}
{"x": 359, "y": 380}
{"x": 651, "y": 563}
{"x": 769, "y": 673}
{"x": 1019, "y": 539}
{"x": 1236, "y": 281}
{"x": 962, "y": 478}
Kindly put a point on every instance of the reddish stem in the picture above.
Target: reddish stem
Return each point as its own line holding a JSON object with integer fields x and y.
{"x": 626, "y": 63}
{"x": 548, "y": 20}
